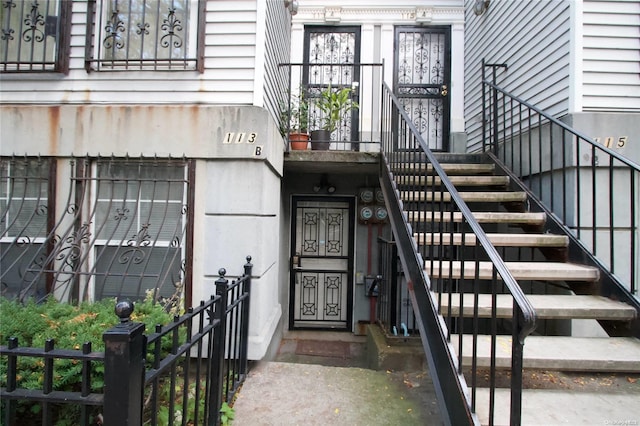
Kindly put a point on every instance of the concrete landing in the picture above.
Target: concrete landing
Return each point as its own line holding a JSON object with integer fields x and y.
{"x": 278, "y": 393}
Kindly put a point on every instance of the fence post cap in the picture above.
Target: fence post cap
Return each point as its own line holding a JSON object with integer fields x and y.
{"x": 124, "y": 309}
{"x": 222, "y": 272}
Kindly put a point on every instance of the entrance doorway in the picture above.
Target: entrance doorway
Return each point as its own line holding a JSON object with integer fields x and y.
{"x": 321, "y": 270}
{"x": 332, "y": 55}
{"x": 422, "y": 80}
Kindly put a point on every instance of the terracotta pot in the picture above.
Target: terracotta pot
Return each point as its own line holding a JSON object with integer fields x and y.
{"x": 298, "y": 141}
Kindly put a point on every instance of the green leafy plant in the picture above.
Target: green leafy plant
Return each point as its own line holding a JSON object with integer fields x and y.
{"x": 294, "y": 114}
{"x": 70, "y": 327}
{"x": 179, "y": 416}
{"x": 334, "y": 104}
{"x": 227, "y": 414}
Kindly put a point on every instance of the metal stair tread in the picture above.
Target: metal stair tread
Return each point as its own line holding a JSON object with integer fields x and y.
{"x": 570, "y": 306}
{"x": 497, "y": 239}
{"x": 482, "y": 217}
{"x": 542, "y": 271}
{"x": 467, "y": 196}
{"x": 566, "y": 353}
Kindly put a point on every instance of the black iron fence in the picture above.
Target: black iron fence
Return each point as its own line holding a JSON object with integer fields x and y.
{"x": 181, "y": 373}
{"x": 415, "y": 184}
{"x": 333, "y": 106}
{"x": 589, "y": 186}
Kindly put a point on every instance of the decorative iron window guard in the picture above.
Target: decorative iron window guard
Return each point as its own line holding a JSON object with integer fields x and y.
{"x": 122, "y": 233}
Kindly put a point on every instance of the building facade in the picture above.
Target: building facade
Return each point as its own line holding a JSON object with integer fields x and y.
{"x": 170, "y": 112}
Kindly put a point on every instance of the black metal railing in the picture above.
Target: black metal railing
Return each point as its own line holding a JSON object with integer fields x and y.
{"x": 307, "y": 108}
{"x": 408, "y": 180}
{"x": 393, "y": 308}
{"x": 180, "y": 373}
{"x": 588, "y": 186}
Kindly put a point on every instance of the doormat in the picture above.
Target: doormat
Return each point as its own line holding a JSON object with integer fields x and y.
{"x": 323, "y": 348}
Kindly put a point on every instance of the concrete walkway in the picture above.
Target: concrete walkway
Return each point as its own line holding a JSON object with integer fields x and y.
{"x": 316, "y": 382}
{"x": 279, "y": 393}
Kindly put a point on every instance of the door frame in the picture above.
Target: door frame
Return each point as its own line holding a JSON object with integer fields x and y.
{"x": 295, "y": 199}
{"x": 312, "y": 90}
{"x": 446, "y": 115}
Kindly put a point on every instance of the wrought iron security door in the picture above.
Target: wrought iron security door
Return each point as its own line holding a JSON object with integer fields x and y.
{"x": 331, "y": 53}
{"x": 321, "y": 264}
{"x": 422, "y": 74}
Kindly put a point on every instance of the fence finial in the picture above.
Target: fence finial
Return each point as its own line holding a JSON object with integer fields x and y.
{"x": 124, "y": 309}
{"x": 222, "y": 272}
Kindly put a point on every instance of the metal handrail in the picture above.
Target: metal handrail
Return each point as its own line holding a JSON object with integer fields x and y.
{"x": 555, "y": 121}
{"x": 602, "y": 219}
{"x": 524, "y": 315}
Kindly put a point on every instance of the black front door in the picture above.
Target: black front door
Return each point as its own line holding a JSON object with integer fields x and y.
{"x": 422, "y": 79}
{"x": 331, "y": 52}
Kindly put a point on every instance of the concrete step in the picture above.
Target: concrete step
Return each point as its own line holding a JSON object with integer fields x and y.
{"x": 547, "y": 306}
{"x": 497, "y": 239}
{"x": 481, "y": 180}
{"x": 558, "y": 353}
{"x": 482, "y": 217}
{"x": 540, "y": 271}
{"x": 469, "y": 197}
{"x": 449, "y": 168}
{"x": 551, "y": 407}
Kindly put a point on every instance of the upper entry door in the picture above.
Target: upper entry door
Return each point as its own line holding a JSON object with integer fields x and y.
{"x": 332, "y": 54}
{"x": 422, "y": 74}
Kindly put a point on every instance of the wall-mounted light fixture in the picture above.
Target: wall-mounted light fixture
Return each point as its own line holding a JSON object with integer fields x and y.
{"x": 292, "y": 5}
{"x": 324, "y": 184}
{"x": 480, "y": 7}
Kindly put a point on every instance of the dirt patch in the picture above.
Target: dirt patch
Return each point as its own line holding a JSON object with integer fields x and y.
{"x": 575, "y": 381}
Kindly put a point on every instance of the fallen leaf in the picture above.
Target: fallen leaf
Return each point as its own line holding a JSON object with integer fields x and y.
{"x": 337, "y": 410}
{"x": 631, "y": 380}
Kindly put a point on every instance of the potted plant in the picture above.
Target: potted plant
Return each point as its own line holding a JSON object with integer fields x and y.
{"x": 294, "y": 121}
{"x": 333, "y": 106}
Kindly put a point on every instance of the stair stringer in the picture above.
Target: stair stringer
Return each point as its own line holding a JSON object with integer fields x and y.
{"x": 452, "y": 391}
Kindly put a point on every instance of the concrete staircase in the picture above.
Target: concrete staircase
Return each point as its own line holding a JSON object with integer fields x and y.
{"x": 560, "y": 292}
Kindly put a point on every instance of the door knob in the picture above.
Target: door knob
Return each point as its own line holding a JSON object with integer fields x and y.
{"x": 443, "y": 90}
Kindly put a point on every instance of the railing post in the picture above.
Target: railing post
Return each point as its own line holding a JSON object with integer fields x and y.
{"x": 517, "y": 355}
{"x": 124, "y": 369}
{"x": 219, "y": 334}
{"x": 244, "y": 333}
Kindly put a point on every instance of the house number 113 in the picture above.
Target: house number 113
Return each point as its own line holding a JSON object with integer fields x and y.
{"x": 240, "y": 137}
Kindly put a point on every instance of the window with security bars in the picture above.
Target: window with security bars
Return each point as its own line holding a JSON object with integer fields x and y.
{"x": 140, "y": 228}
{"x": 120, "y": 229}
{"x": 24, "y": 207}
{"x": 145, "y": 35}
{"x": 34, "y": 35}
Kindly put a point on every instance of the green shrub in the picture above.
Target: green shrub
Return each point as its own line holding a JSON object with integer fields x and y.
{"x": 70, "y": 327}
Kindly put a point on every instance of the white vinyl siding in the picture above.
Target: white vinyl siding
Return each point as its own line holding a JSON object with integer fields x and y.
{"x": 228, "y": 77}
{"x": 277, "y": 48}
{"x": 611, "y": 55}
{"x": 533, "y": 39}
